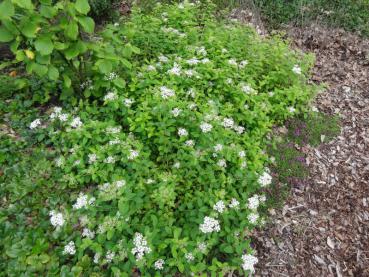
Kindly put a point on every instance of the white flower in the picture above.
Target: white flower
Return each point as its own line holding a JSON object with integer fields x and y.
{"x": 224, "y": 51}
{"x": 218, "y": 147}
{"x": 176, "y": 112}
{"x": 265, "y": 179}
{"x": 246, "y": 89}
{"x": 140, "y": 246}
{"x": 193, "y": 61}
{"x": 291, "y": 109}
{"x": 149, "y": 181}
{"x": 201, "y": 51}
{"x": 229, "y": 81}
{"x": 70, "y": 248}
{"x": 202, "y": 247}
{"x": 210, "y": 225}
{"x": 243, "y": 164}
{"x": 249, "y": 262}
{"x": 205, "y": 61}
{"x": 159, "y": 264}
{"x": 163, "y": 59}
{"x": 296, "y": 69}
{"x": 76, "y": 122}
{"x": 92, "y": 158}
{"x": 314, "y": 109}
{"x": 150, "y": 68}
{"x": 63, "y": 117}
{"x": 191, "y": 92}
{"x": 97, "y": 258}
{"x": 176, "y": 70}
{"x": 189, "y": 142}
{"x": 109, "y": 256}
{"x": 177, "y": 165}
{"x": 253, "y": 202}
{"x": 232, "y": 62}
{"x": 111, "y": 76}
{"x": 239, "y": 129}
{"x": 189, "y": 257}
{"x": 253, "y": 218}
{"x": 271, "y": 93}
{"x": 219, "y": 206}
{"x": 34, "y": 124}
{"x": 166, "y": 92}
{"x": 133, "y": 154}
{"x": 120, "y": 183}
{"x": 234, "y": 203}
{"x": 262, "y": 198}
{"x": 128, "y": 102}
{"x": 87, "y": 233}
{"x": 189, "y": 72}
{"x": 77, "y": 162}
{"x": 81, "y": 202}
{"x": 242, "y": 154}
{"x": 59, "y": 161}
{"x": 222, "y": 163}
{"x": 192, "y": 106}
{"x": 56, "y": 219}
{"x": 206, "y": 127}
{"x": 57, "y": 110}
{"x": 109, "y": 160}
{"x": 182, "y": 132}
{"x": 110, "y": 96}
{"x": 243, "y": 63}
{"x": 113, "y": 130}
{"x": 228, "y": 122}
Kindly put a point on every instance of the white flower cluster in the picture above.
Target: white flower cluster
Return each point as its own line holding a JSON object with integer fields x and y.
{"x": 175, "y": 70}
{"x": 56, "y": 219}
{"x": 190, "y": 143}
{"x": 128, "y": 102}
{"x": 87, "y": 84}
{"x": 222, "y": 163}
{"x": 228, "y": 122}
{"x": 291, "y": 109}
{"x": 189, "y": 257}
{"x": 109, "y": 160}
{"x": 201, "y": 246}
{"x": 219, "y": 206}
{"x": 159, "y": 264}
{"x": 201, "y": 51}
{"x": 111, "y": 76}
{"x": 110, "y": 96}
{"x": 140, "y": 246}
{"x": 234, "y": 203}
{"x": 247, "y": 89}
{"x": 210, "y": 225}
{"x": 265, "y": 179}
{"x": 76, "y": 122}
{"x": 193, "y": 61}
{"x": 133, "y": 154}
{"x": 57, "y": 113}
{"x": 34, "y": 124}
{"x": 70, "y": 248}
{"x": 176, "y": 112}
{"x": 296, "y": 69}
{"x": 249, "y": 262}
{"x": 182, "y": 132}
{"x": 113, "y": 130}
{"x": 83, "y": 201}
{"x": 206, "y": 127}
{"x": 163, "y": 59}
{"x": 87, "y": 233}
{"x": 166, "y": 92}
{"x": 174, "y": 31}
{"x": 110, "y": 255}
{"x": 253, "y": 217}
{"x": 218, "y": 147}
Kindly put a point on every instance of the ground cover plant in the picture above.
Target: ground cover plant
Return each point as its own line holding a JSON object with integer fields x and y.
{"x": 156, "y": 170}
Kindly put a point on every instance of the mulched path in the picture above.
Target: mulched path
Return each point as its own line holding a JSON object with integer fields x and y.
{"x": 323, "y": 228}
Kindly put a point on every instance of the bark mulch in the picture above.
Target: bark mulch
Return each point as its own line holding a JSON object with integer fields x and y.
{"x": 322, "y": 230}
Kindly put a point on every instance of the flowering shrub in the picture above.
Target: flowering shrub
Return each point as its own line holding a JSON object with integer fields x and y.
{"x": 164, "y": 176}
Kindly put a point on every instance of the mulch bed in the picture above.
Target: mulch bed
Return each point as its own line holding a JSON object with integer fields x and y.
{"x": 322, "y": 230}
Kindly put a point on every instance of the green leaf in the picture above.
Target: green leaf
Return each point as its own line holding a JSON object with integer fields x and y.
{"x": 40, "y": 69}
{"x": 26, "y": 4}
{"x": 6, "y": 9}
{"x": 119, "y": 82}
{"x": 126, "y": 63}
{"x": 87, "y": 24}
{"x": 82, "y": 6}
{"x": 53, "y": 73}
{"x": 104, "y": 66}
{"x": 48, "y": 11}
{"x": 44, "y": 45}
{"x": 72, "y": 30}
{"x": 75, "y": 49}
{"x": 5, "y": 35}
{"x": 29, "y": 28}
{"x": 67, "y": 81}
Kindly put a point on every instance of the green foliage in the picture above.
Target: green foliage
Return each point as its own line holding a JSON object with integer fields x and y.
{"x": 56, "y": 42}
{"x": 140, "y": 167}
{"x": 104, "y": 10}
{"x": 351, "y": 15}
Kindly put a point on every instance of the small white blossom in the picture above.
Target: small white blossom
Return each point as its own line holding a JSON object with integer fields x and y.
{"x": 109, "y": 256}
{"x": 228, "y": 122}
{"x": 177, "y": 165}
{"x": 189, "y": 257}
{"x": 192, "y": 106}
{"x": 232, "y": 62}
{"x": 113, "y": 130}
{"x": 128, "y": 102}
{"x": 120, "y": 183}
{"x": 249, "y": 262}
{"x": 182, "y": 132}
{"x": 59, "y": 162}
{"x": 176, "y": 112}
{"x": 92, "y": 158}
{"x": 56, "y": 219}
{"x": 150, "y": 68}
{"x": 97, "y": 258}
{"x": 218, "y": 147}
{"x": 63, "y": 117}
{"x": 76, "y": 122}
{"x": 296, "y": 69}
{"x": 291, "y": 109}
{"x": 246, "y": 89}
{"x": 110, "y": 96}
{"x": 111, "y": 76}
{"x": 219, "y": 206}
{"x": 133, "y": 154}
{"x": 166, "y": 92}
{"x": 193, "y": 61}
{"x": 81, "y": 202}
{"x": 242, "y": 154}
{"x": 70, "y": 248}
{"x": 265, "y": 179}
{"x": 224, "y": 51}
{"x": 243, "y": 63}
{"x": 109, "y": 160}
{"x": 202, "y": 247}
{"x": 140, "y": 246}
{"x": 191, "y": 92}
{"x": 234, "y": 203}
{"x": 253, "y": 218}
{"x": 239, "y": 129}
{"x": 159, "y": 264}
{"x": 34, "y": 124}
{"x": 190, "y": 72}
{"x": 176, "y": 70}
{"x": 210, "y": 225}
{"x": 87, "y": 233}
{"x": 149, "y": 181}
{"x": 206, "y": 127}
{"x": 229, "y": 81}
{"x": 205, "y": 61}
{"x": 253, "y": 202}
{"x": 222, "y": 163}
{"x": 163, "y": 59}
{"x": 314, "y": 109}
{"x": 189, "y": 142}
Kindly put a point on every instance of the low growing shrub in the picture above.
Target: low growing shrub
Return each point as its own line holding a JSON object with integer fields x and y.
{"x": 165, "y": 175}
